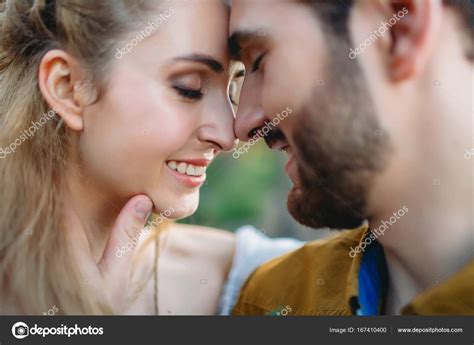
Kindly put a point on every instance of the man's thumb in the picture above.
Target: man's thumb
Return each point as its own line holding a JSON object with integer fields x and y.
{"x": 125, "y": 233}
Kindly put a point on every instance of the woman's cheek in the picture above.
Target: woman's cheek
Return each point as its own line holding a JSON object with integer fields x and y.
{"x": 125, "y": 148}
{"x": 172, "y": 129}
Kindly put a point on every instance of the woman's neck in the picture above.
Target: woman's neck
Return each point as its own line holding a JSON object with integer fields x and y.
{"x": 91, "y": 212}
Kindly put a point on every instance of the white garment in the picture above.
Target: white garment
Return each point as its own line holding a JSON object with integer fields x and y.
{"x": 253, "y": 249}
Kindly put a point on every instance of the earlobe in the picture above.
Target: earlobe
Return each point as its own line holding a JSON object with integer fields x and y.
{"x": 416, "y": 25}
{"x": 58, "y": 75}
{"x": 403, "y": 63}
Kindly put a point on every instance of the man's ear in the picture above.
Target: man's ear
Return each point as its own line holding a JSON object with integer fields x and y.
{"x": 413, "y": 34}
{"x": 61, "y": 82}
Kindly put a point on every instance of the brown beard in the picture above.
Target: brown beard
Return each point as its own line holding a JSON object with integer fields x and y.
{"x": 340, "y": 147}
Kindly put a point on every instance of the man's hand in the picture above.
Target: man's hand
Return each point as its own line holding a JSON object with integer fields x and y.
{"x": 111, "y": 275}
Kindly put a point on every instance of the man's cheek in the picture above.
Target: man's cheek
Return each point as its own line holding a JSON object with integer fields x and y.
{"x": 278, "y": 93}
{"x": 286, "y": 127}
{"x": 274, "y": 99}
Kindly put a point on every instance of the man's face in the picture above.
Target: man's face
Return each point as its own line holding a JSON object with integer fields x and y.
{"x": 332, "y": 136}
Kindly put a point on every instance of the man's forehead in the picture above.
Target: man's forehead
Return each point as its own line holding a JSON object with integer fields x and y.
{"x": 248, "y": 15}
{"x": 254, "y": 21}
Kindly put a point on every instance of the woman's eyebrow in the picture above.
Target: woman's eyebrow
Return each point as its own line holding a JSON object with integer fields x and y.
{"x": 209, "y": 61}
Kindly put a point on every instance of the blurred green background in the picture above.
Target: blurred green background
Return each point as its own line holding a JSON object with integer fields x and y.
{"x": 250, "y": 190}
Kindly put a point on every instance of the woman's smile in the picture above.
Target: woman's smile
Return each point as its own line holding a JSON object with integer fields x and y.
{"x": 190, "y": 172}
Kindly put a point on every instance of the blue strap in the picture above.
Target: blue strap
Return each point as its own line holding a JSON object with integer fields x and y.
{"x": 372, "y": 280}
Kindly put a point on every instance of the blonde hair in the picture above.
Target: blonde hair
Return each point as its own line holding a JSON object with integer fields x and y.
{"x": 37, "y": 269}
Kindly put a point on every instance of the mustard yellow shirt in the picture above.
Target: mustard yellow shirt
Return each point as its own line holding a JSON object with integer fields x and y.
{"x": 321, "y": 278}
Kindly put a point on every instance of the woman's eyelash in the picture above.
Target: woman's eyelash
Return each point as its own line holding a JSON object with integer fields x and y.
{"x": 189, "y": 93}
{"x": 256, "y": 64}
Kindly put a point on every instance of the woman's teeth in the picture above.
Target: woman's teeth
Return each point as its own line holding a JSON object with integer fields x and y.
{"x": 186, "y": 169}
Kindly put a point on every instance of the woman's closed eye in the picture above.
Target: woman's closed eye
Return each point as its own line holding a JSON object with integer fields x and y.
{"x": 191, "y": 94}
{"x": 189, "y": 86}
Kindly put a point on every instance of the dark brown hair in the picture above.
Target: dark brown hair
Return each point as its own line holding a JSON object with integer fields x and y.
{"x": 335, "y": 17}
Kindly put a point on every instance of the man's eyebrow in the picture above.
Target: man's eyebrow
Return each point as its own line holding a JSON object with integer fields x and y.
{"x": 209, "y": 61}
{"x": 242, "y": 38}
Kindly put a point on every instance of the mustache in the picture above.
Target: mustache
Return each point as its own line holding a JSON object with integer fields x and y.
{"x": 274, "y": 136}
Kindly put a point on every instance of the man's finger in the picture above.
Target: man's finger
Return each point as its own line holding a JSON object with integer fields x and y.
{"x": 118, "y": 253}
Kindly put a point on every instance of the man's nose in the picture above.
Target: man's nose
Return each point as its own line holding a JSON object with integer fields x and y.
{"x": 250, "y": 115}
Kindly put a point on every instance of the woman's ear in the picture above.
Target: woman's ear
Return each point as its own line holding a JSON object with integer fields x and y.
{"x": 413, "y": 35}
{"x": 60, "y": 81}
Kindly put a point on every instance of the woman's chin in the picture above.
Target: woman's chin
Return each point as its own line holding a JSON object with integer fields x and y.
{"x": 176, "y": 210}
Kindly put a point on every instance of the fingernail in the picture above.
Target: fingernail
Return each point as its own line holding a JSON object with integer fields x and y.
{"x": 143, "y": 209}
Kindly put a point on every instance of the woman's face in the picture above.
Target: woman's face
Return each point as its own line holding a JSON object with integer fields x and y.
{"x": 164, "y": 114}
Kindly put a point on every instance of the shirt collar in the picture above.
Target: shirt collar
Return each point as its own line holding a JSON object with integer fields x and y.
{"x": 455, "y": 296}
{"x": 452, "y": 297}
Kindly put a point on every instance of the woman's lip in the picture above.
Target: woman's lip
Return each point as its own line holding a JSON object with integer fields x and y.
{"x": 190, "y": 181}
{"x": 200, "y": 162}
